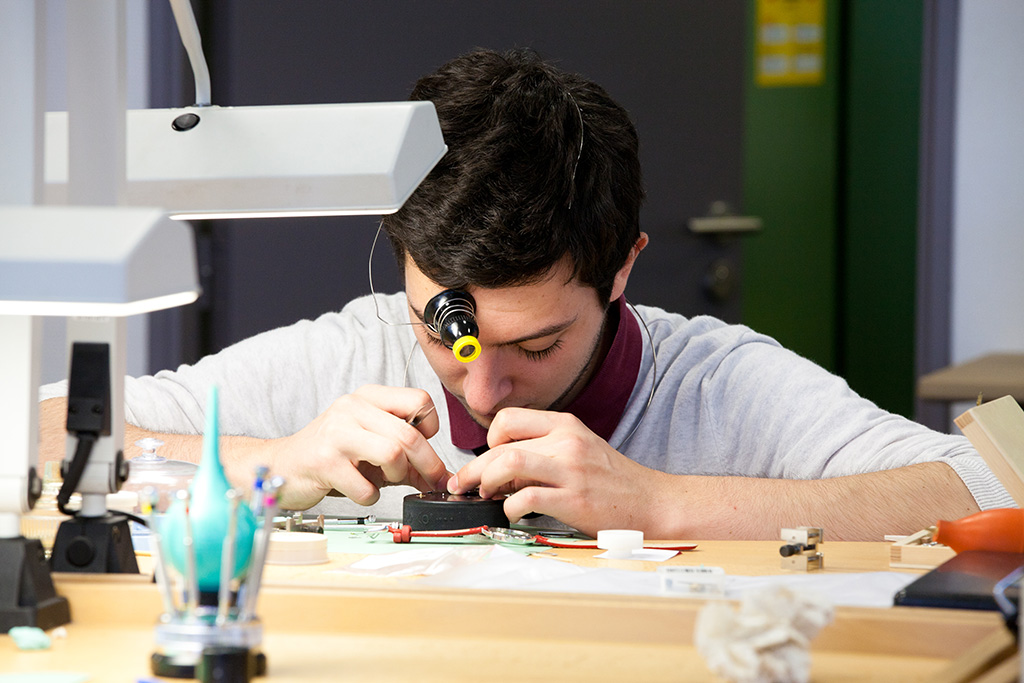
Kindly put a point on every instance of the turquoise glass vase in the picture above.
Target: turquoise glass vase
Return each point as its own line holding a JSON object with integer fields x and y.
{"x": 209, "y": 511}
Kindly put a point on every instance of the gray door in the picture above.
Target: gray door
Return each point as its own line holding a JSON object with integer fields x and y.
{"x": 677, "y": 66}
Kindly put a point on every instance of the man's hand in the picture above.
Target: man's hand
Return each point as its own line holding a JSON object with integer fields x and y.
{"x": 551, "y": 463}
{"x": 361, "y": 443}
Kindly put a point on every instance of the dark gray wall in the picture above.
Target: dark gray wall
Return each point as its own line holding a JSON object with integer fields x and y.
{"x": 676, "y": 66}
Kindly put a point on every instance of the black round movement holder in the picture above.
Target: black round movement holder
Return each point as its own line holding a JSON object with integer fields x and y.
{"x": 217, "y": 664}
{"x": 441, "y": 511}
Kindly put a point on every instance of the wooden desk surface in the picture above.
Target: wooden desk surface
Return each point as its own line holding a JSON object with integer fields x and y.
{"x": 994, "y": 375}
{"x": 328, "y": 626}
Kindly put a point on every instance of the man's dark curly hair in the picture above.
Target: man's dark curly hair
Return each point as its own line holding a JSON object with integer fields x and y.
{"x": 515, "y": 194}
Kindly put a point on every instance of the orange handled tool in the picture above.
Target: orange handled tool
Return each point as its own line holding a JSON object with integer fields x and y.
{"x": 1001, "y": 529}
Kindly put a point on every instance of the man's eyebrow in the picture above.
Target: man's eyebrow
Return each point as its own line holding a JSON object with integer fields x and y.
{"x": 544, "y": 332}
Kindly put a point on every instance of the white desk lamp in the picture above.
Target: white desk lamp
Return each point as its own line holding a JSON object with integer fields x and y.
{"x": 101, "y": 262}
{"x": 246, "y": 162}
{"x": 206, "y": 161}
{"x": 234, "y": 162}
{"x": 197, "y": 162}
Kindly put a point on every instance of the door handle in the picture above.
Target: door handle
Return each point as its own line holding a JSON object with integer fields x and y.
{"x": 720, "y": 220}
{"x": 721, "y": 224}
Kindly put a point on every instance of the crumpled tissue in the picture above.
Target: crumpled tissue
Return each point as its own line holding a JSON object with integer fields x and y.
{"x": 768, "y": 639}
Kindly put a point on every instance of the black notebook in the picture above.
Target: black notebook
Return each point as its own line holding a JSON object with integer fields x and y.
{"x": 964, "y": 581}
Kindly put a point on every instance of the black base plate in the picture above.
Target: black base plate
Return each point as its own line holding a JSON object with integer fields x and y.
{"x": 27, "y": 596}
{"x": 441, "y": 511}
{"x": 98, "y": 545}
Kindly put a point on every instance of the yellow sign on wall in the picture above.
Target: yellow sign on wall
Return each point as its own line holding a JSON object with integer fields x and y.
{"x": 790, "y": 42}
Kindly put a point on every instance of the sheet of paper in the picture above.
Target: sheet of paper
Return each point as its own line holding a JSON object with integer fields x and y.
{"x": 487, "y": 566}
{"x": 645, "y": 555}
{"x": 418, "y": 561}
{"x": 506, "y": 570}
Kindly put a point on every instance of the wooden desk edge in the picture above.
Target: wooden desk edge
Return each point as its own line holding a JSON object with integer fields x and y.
{"x": 464, "y": 613}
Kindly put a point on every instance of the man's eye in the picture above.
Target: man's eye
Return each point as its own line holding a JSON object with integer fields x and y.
{"x": 543, "y": 353}
{"x": 434, "y": 340}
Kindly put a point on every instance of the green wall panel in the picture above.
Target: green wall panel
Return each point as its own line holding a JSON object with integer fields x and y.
{"x": 832, "y": 171}
{"x": 880, "y": 207}
{"x": 791, "y": 180}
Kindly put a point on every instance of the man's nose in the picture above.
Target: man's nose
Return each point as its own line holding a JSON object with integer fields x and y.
{"x": 487, "y": 382}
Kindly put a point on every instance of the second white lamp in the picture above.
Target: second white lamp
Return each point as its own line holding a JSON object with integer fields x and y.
{"x": 242, "y": 162}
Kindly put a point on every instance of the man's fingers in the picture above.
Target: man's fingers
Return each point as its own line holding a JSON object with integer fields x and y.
{"x": 468, "y": 478}
{"x": 424, "y": 461}
{"x": 381, "y": 452}
{"x": 442, "y": 483}
{"x": 539, "y": 499}
{"x": 406, "y": 404}
{"x": 514, "y": 468}
{"x": 520, "y": 424}
{"x": 423, "y": 485}
{"x": 392, "y": 444}
{"x": 349, "y": 480}
{"x": 407, "y": 443}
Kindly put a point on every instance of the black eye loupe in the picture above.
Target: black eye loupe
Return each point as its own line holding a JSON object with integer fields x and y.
{"x": 452, "y": 315}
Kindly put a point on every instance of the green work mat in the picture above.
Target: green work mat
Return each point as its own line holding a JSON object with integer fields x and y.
{"x": 364, "y": 543}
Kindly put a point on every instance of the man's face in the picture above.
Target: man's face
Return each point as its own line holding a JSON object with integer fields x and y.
{"x": 539, "y": 343}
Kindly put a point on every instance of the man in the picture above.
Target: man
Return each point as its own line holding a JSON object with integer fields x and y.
{"x": 578, "y": 407}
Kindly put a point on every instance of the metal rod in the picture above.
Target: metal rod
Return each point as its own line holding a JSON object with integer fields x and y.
{"x": 252, "y": 583}
{"x": 369, "y": 519}
{"x": 191, "y": 573}
{"x": 227, "y": 560}
{"x": 148, "y": 502}
{"x": 416, "y": 418}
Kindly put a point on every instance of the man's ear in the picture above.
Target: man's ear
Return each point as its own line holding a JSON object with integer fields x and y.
{"x": 621, "y": 277}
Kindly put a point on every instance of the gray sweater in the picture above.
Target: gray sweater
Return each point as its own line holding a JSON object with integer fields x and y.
{"x": 727, "y": 401}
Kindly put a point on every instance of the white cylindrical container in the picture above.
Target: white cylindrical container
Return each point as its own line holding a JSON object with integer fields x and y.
{"x": 620, "y": 543}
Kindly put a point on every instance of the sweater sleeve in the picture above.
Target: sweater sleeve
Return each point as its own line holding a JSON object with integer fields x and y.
{"x": 276, "y": 382}
{"x": 779, "y": 415}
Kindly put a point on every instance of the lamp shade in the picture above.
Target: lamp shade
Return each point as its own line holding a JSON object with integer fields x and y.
{"x": 238, "y": 162}
{"x": 94, "y": 261}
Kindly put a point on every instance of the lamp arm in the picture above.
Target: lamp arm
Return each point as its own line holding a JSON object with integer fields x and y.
{"x": 189, "y": 32}
{"x": 96, "y": 408}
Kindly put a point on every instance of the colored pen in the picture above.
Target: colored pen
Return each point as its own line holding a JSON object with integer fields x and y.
{"x": 256, "y": 501}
